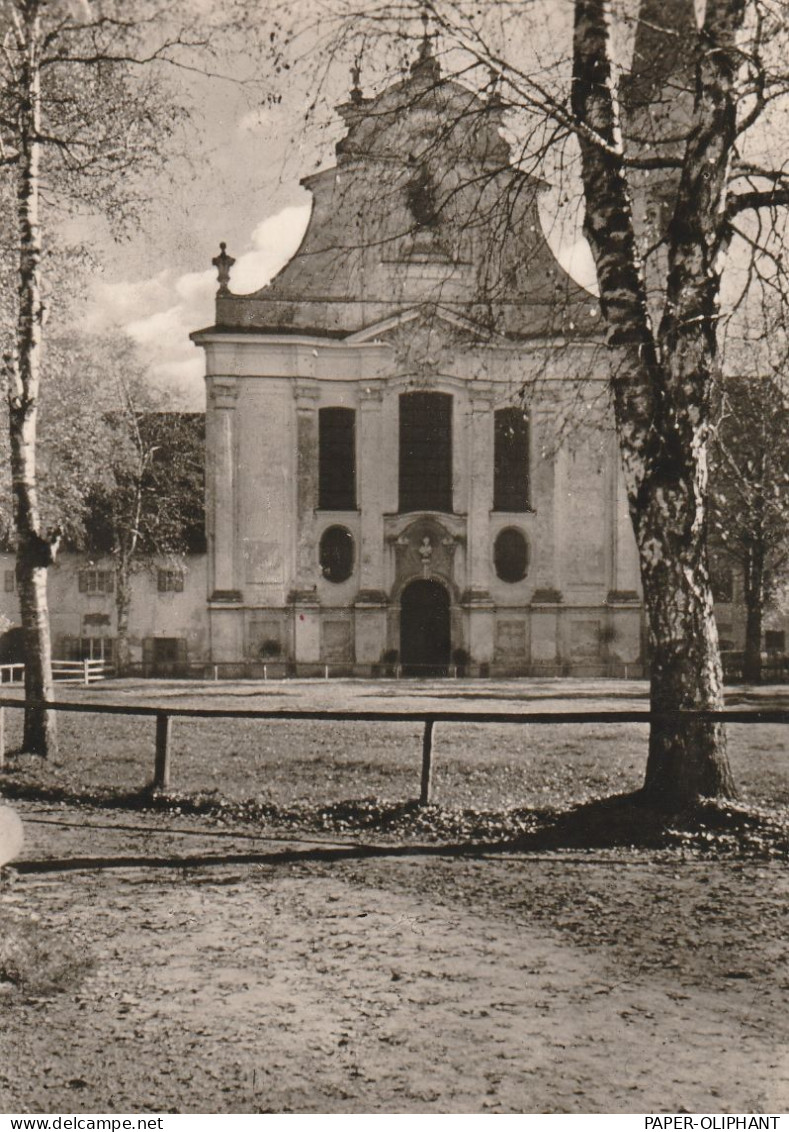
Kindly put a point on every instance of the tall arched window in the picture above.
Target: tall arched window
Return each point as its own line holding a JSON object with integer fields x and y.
{"x": 425, "y": 452}
{"x": 510, "y": 460}
{"x": 337, "y": 459}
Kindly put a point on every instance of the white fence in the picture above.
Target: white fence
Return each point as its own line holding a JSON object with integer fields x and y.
{"x": 80, "y": 671}
{"x": 63, "y": 672}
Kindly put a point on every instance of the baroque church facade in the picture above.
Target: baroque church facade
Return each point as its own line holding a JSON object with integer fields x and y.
{"x": 411, "y": 465}
{"x": 410, "y": 458}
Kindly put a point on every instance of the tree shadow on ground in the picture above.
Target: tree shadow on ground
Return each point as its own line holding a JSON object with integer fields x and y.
{"x": 629, "y": 821}
{"x": 620, "y": 823}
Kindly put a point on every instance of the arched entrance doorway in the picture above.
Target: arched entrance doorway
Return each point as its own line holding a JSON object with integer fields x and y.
{"x": 424, "y": 629}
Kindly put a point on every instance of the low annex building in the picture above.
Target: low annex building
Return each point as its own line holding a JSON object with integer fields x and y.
{"x": 409, "y": 455}
{"x": 167, "y": 622}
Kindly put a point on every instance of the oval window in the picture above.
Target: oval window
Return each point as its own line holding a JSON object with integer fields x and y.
{"x": 336, "y": 554}
{"x": 511, "y": 555}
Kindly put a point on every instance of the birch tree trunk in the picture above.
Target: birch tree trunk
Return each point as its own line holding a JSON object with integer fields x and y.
{"x": 122, "y": 606}
{"x": 754, "y": 603}
{"x": 35, "y": 552}
{"x": 661, "y": 391}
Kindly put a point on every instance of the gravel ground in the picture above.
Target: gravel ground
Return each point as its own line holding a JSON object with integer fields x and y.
{"x": 347, "y": 954}
{"x": 308, "y": 978}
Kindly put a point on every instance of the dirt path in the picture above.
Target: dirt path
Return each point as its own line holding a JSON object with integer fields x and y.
{"x": 403, "y": 985}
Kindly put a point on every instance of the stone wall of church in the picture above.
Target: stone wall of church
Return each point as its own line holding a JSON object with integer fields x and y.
{"x": 424, "y": 267}
{"x": 576, "y": 608}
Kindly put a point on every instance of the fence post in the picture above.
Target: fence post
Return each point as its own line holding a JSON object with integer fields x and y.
{"x": 86, "y": 672}
{"x": 2, "y": 736}
{"x": 427, "y": 764}
{"x": 161, "y": 770}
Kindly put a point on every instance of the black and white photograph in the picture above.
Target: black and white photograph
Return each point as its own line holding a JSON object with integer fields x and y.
{"x": 394, "y": 541}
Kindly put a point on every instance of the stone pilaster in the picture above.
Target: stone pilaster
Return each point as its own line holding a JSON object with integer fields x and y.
{"x": 480, "y": 489}
{"x": 369, "y": 484}
{"x": 306, "y": 394}
{"x": 370, "y": 618}
{"x": 476, "y": 599}
{"x": 542, "y": 497}
{"x": 371, "y": 602}
{"x": 559, "y": 519}
{"x": 307, "y": 629}
{"x": 225, "y": 617}
{"x": 223, "y": 393}
{"x": 625, "y": 574}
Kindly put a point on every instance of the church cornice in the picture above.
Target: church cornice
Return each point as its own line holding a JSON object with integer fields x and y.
{"x": 248, "y": 354}
{"x": 249, "y": 315}
{"x": 358, "y": 159}
{"x": 341, "y": 340}
{"x": 432, "y": 316}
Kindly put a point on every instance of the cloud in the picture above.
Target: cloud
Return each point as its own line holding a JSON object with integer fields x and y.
{"x": 561, "y": 218}
{"x": 577, "y": 261}
{"x": 274, "y": 241}
{"x": 160, "y": 331}
{"x": 160, "y": 312}
{"x": 114, "y": 304}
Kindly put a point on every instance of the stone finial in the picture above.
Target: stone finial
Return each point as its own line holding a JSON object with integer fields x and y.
{"x": 356, "y": 75}
{"x": 223, "y": 262}
{"x": 495, "y": 101}
{"x": 426, "y": 64}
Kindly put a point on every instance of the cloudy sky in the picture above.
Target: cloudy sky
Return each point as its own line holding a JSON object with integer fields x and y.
{"x": 239, "y": 183}
{"x": 159, "y": 310}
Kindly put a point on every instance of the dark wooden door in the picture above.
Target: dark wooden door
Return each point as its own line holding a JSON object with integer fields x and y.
{"x": 424, "y": 629}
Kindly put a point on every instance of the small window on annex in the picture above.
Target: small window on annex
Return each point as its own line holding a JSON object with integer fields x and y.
{"x": 510, "y": 460}
{"x": 426, "y": 452}
{"x": 775, "y": 640}
{"x": 336, "y": 554}
{"x": 96, "y": 581}
{"x": 511, "y": 555}
{"x": 169, "y": 581}
{"x": 336, "y": 459}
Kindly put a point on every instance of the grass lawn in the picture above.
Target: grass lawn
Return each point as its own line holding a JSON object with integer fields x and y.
{"x": 286, "y": 763}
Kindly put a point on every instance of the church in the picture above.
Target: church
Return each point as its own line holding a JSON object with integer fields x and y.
{"x": 410, "y": 460}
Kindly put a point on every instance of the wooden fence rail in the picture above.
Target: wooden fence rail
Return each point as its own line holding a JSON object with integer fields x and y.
{"x": 164, "y": 723}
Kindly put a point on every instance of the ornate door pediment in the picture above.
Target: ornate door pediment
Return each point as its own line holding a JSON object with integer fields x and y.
{"x": 424, "y": 547}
